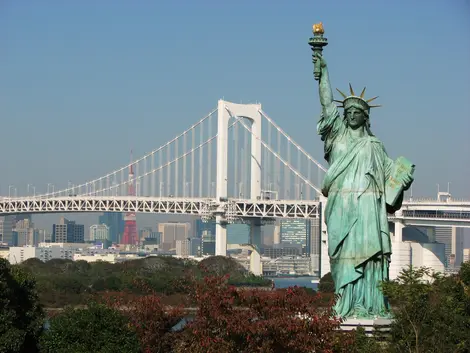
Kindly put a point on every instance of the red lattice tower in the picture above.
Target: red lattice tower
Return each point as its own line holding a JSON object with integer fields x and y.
{"x": 130, "y": 235}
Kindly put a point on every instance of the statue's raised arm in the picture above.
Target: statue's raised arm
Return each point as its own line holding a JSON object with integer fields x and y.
{"x": 325, "y": 91}
{"x": 330, "y": 124}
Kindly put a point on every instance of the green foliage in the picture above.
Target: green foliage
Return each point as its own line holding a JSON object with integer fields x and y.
{"x": 65, "y": 282}
{"x": 21, "y": 316}
{"x": 248, "y": 280}
{"x": 326, "y": 285}
{"x": 238, "y": 275}
{"x": 465, "y": 273}
{"x": 221, "y": 265}
{"x": 431, "y": 312}
{"x": 361, "y": 343}
{"x": 97, "y": 329}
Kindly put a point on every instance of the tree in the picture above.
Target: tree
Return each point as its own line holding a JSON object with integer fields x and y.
{"x": 464, "y": 275}
{"x": 361, "y": 343}
{"x": 21, "y": 316}
{"x": 238, "y": 275}
{"x": 327, "y": 284}
{"x": 431, "y": 312}
{"x": 152, "y": 321}
{"x": 230, "y": 320}
{"x": 221, "y": 265}
{"x": 95, "y": 329}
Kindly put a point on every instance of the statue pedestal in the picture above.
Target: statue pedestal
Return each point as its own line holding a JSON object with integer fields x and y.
{"x": 379, "y": 325}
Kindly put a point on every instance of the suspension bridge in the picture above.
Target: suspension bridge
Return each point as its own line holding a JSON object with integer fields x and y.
{"x": 234, "y": 165}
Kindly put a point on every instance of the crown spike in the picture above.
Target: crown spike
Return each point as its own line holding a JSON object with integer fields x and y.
{"x": 344, "y": 96}
{"x": 371, "y": 99}
{"x": 351, "y": 90}
{"x": 362, "y": 93}
{"x": 375, "y": 106}
{"x": 337, "y": 101}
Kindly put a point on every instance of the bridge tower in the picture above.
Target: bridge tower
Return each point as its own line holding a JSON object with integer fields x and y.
{"x": 227, "y": 110}
{"x": 130, "y": 235}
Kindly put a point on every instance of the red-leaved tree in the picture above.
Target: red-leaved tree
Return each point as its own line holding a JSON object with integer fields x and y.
{"x": 233, "y": 320}
{"x": 152, "y": 320}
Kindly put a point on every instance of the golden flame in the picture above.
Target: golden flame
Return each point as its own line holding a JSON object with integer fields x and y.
{"x": 318, "y": 28}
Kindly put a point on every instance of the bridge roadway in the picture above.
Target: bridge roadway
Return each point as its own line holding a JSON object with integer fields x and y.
{"x": 231, "y": 208}
{"x": 424, "y": 213}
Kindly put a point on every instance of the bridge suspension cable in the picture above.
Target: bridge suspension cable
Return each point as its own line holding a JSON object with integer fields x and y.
{"x": 139, "y": 177}
{"x": 278, "y": 128}
{"x": 107, "y": 178}
{"x": 150, "y": 179}
{"x": 287, "y": 164}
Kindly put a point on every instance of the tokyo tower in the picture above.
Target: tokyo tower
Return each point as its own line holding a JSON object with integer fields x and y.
{"x": 130, "y": 225}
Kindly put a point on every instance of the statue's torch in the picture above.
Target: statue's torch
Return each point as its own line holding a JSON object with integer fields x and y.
{"x": 317, "y": 43}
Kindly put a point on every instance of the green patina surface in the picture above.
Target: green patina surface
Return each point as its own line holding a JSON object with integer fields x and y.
{"x": 359, "y": 174}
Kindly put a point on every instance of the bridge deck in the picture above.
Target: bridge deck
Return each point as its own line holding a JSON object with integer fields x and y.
{"x": 413, "y": 213}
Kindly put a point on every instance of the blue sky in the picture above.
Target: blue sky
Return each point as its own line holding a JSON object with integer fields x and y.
{"x": 81, "y": 82}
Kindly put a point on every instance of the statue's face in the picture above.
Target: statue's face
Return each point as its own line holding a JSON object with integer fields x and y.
{"x": 355, "y": 118}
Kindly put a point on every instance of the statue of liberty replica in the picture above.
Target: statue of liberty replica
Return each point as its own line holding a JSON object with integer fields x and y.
{"x": 362, "y": 185}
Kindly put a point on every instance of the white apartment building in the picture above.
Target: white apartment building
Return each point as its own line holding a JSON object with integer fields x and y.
{"x": 466, "y": 255}
{"x": 407, "y": 253}
{"x": 99, "y": 232}
{"x": 105, "y": 257}
{"x": 19, "y": 254}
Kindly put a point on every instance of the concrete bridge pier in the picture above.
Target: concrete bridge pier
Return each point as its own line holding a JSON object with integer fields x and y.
{"x": 220, "y": 236}
{"x": 256, "y": 266}
{"x": 255, "y": 233}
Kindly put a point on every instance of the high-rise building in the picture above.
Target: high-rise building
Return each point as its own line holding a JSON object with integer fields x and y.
{"x": 201, "y": 227}
{"x": 44, "y": 236}
{"x": 171, "y": 232}
{"x": 277, "y": 233}
{"x": 279, "y": 250}
{"x": 99, "y": 233}
{"x": 315, "y": 244}
{"x": 150, "y": 236}
{"x": 452, "y": 238}
{"x": 115, "y": 223}
{"x": 267, "y": 235}
{"x": 68, "y": 232}
{"x": 25, "y": 232}
{"x": 130, "y": 236}
{"x": 23, "y": 216}
{"x": 205, "y": 231}
{"x": 315, "y": 236}
{"x": 7, "y": 224}
{"x": 297, "y": 231}
{"x": 195, "y": 247}
{"x": 238, "y": 233}
{"x": 208, "y": 243}
{"x": 148, "y": 233}
{"x": 188, "y": 247}
{"x": 457, "y": 245}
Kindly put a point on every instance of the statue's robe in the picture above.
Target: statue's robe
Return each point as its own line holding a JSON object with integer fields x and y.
{"x": 356, "y": 216}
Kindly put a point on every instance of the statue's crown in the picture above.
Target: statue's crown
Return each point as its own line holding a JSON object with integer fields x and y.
{"x": 352, "y": 100}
